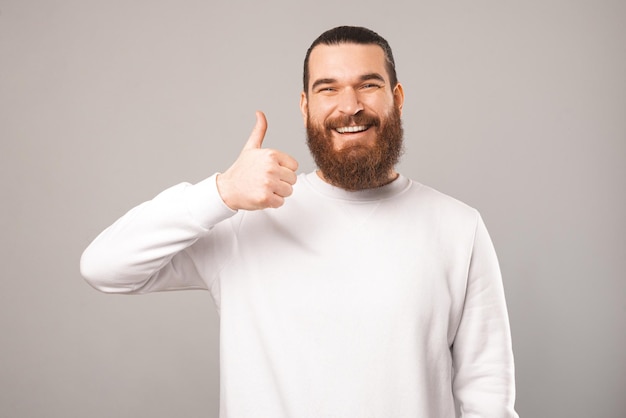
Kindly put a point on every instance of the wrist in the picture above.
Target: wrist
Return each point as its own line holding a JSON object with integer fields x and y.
{"x": 223, "y": 191}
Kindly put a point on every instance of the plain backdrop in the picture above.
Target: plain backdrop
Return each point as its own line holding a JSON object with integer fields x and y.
{"x": 517, "y": 108}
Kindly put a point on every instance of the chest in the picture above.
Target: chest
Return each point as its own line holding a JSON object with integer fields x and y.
{"x": 356, "y": 267}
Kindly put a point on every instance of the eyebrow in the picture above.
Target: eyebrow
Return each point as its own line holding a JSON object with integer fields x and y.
{"x": 364, "y": 77}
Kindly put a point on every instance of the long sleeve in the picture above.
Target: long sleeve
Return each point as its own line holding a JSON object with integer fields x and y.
{"x": 149, "y": 248}
{"x": 484, "y": 383}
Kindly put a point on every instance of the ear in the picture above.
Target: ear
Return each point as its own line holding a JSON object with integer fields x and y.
{"x": 304, "y": 107}
{"x": 398, "y": 96}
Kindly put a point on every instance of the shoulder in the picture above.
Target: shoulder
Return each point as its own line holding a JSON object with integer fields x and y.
{"x": 434, "y": 210}
{"x": 434, "y": 199}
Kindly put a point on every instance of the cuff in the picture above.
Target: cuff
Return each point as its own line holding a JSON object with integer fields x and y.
{"x": 205, "y": 204}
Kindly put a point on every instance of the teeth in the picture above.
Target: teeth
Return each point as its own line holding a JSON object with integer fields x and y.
{"x": 351, "y": 129}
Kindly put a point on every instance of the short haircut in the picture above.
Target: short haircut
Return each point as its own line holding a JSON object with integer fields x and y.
{"x": 354, "y": 35}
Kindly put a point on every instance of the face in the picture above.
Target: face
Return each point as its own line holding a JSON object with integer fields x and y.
{"x": 352, "y": 115}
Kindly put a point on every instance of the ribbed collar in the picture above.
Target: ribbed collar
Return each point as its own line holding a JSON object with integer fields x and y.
{"x": 387, "y": 191}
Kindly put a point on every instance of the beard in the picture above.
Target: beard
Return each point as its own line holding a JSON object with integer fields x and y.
{"x": 357, "y": 167}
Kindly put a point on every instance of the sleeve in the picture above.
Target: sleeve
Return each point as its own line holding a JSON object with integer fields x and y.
{"x": 150, "y": 248}
{"x": 484, "y": 381}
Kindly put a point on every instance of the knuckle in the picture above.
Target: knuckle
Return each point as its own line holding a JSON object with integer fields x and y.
{"x": 270, "y": 153}
{"x": 274, "y": 154}
{"x": 266, "y": 184}
{"x": 269, "y": 171}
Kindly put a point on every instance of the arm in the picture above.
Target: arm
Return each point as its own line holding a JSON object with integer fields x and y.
{"x": 484, "y": 382}
{"x": 148, "y": 249}
{"x": 151, "y": 248}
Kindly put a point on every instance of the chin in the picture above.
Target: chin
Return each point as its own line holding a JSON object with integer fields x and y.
{"x": 354, "y": 149}
{"x": 344, "y": 145}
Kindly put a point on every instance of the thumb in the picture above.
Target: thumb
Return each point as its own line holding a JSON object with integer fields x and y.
{"x": 258, "y": 132}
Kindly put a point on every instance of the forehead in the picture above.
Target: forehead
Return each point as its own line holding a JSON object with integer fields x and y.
{"x": 346, "y": 61}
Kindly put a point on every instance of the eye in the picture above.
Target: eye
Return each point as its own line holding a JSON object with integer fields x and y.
{"x": 370, "y": 86}
{"x": 327, "y": 90}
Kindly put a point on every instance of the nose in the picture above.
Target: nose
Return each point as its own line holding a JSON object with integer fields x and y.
{"x": 349, "y": 102}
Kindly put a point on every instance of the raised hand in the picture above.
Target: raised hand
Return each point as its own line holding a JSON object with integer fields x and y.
{"x": 260, "y": 178}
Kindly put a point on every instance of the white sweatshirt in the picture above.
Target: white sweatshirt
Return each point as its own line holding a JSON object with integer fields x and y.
{"x": 379, "y": 303}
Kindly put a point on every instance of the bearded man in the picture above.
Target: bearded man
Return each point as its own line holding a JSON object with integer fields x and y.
{"x": 351, "y": 291}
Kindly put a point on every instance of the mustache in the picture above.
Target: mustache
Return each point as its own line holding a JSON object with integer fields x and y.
{"x": 354, "y": 120}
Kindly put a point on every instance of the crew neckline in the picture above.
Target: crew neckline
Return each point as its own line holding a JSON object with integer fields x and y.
{"x": 397, "y": 186}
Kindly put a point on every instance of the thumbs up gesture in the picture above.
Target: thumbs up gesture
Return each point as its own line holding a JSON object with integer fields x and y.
{"x": 260, "y": 178}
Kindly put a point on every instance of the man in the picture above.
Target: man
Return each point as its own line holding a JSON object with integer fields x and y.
{"x": 351, "y": 291}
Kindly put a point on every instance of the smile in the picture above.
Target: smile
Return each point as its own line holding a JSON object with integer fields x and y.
{"x": 352, "y": 129}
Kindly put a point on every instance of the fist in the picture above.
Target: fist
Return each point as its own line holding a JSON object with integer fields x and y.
{"x": 260, "y": 178}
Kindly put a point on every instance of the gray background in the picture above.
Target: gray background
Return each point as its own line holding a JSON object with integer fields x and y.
{"x": 517, "y": 108}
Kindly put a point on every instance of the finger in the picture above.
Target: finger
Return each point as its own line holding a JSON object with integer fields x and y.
{"x": 282, "y": 189}
{"x": 288, "y": 176}
{"x": 276, "y": 201}
{"x": 258, "y": 132}
{"x": 285, "y": 160}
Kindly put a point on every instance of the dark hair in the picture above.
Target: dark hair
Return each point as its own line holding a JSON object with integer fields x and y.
{"x": 355, "y": 35}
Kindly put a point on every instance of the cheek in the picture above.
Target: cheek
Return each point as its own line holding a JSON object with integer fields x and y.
{"x": 315, "y": 118}
{"x": 382, "y": 107}
{"x": 320, "y": 109}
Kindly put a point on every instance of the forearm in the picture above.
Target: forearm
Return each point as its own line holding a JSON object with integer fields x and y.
{"x": 143, "y": 242}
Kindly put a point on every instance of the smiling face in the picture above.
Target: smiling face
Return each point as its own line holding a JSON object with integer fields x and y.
{"x": 352, "y": 115}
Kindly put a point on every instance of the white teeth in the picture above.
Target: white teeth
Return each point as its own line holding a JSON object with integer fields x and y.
{"x": 351, "y": 129}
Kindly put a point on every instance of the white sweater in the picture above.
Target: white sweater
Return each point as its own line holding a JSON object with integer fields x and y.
{"x": 380, "y": 303}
